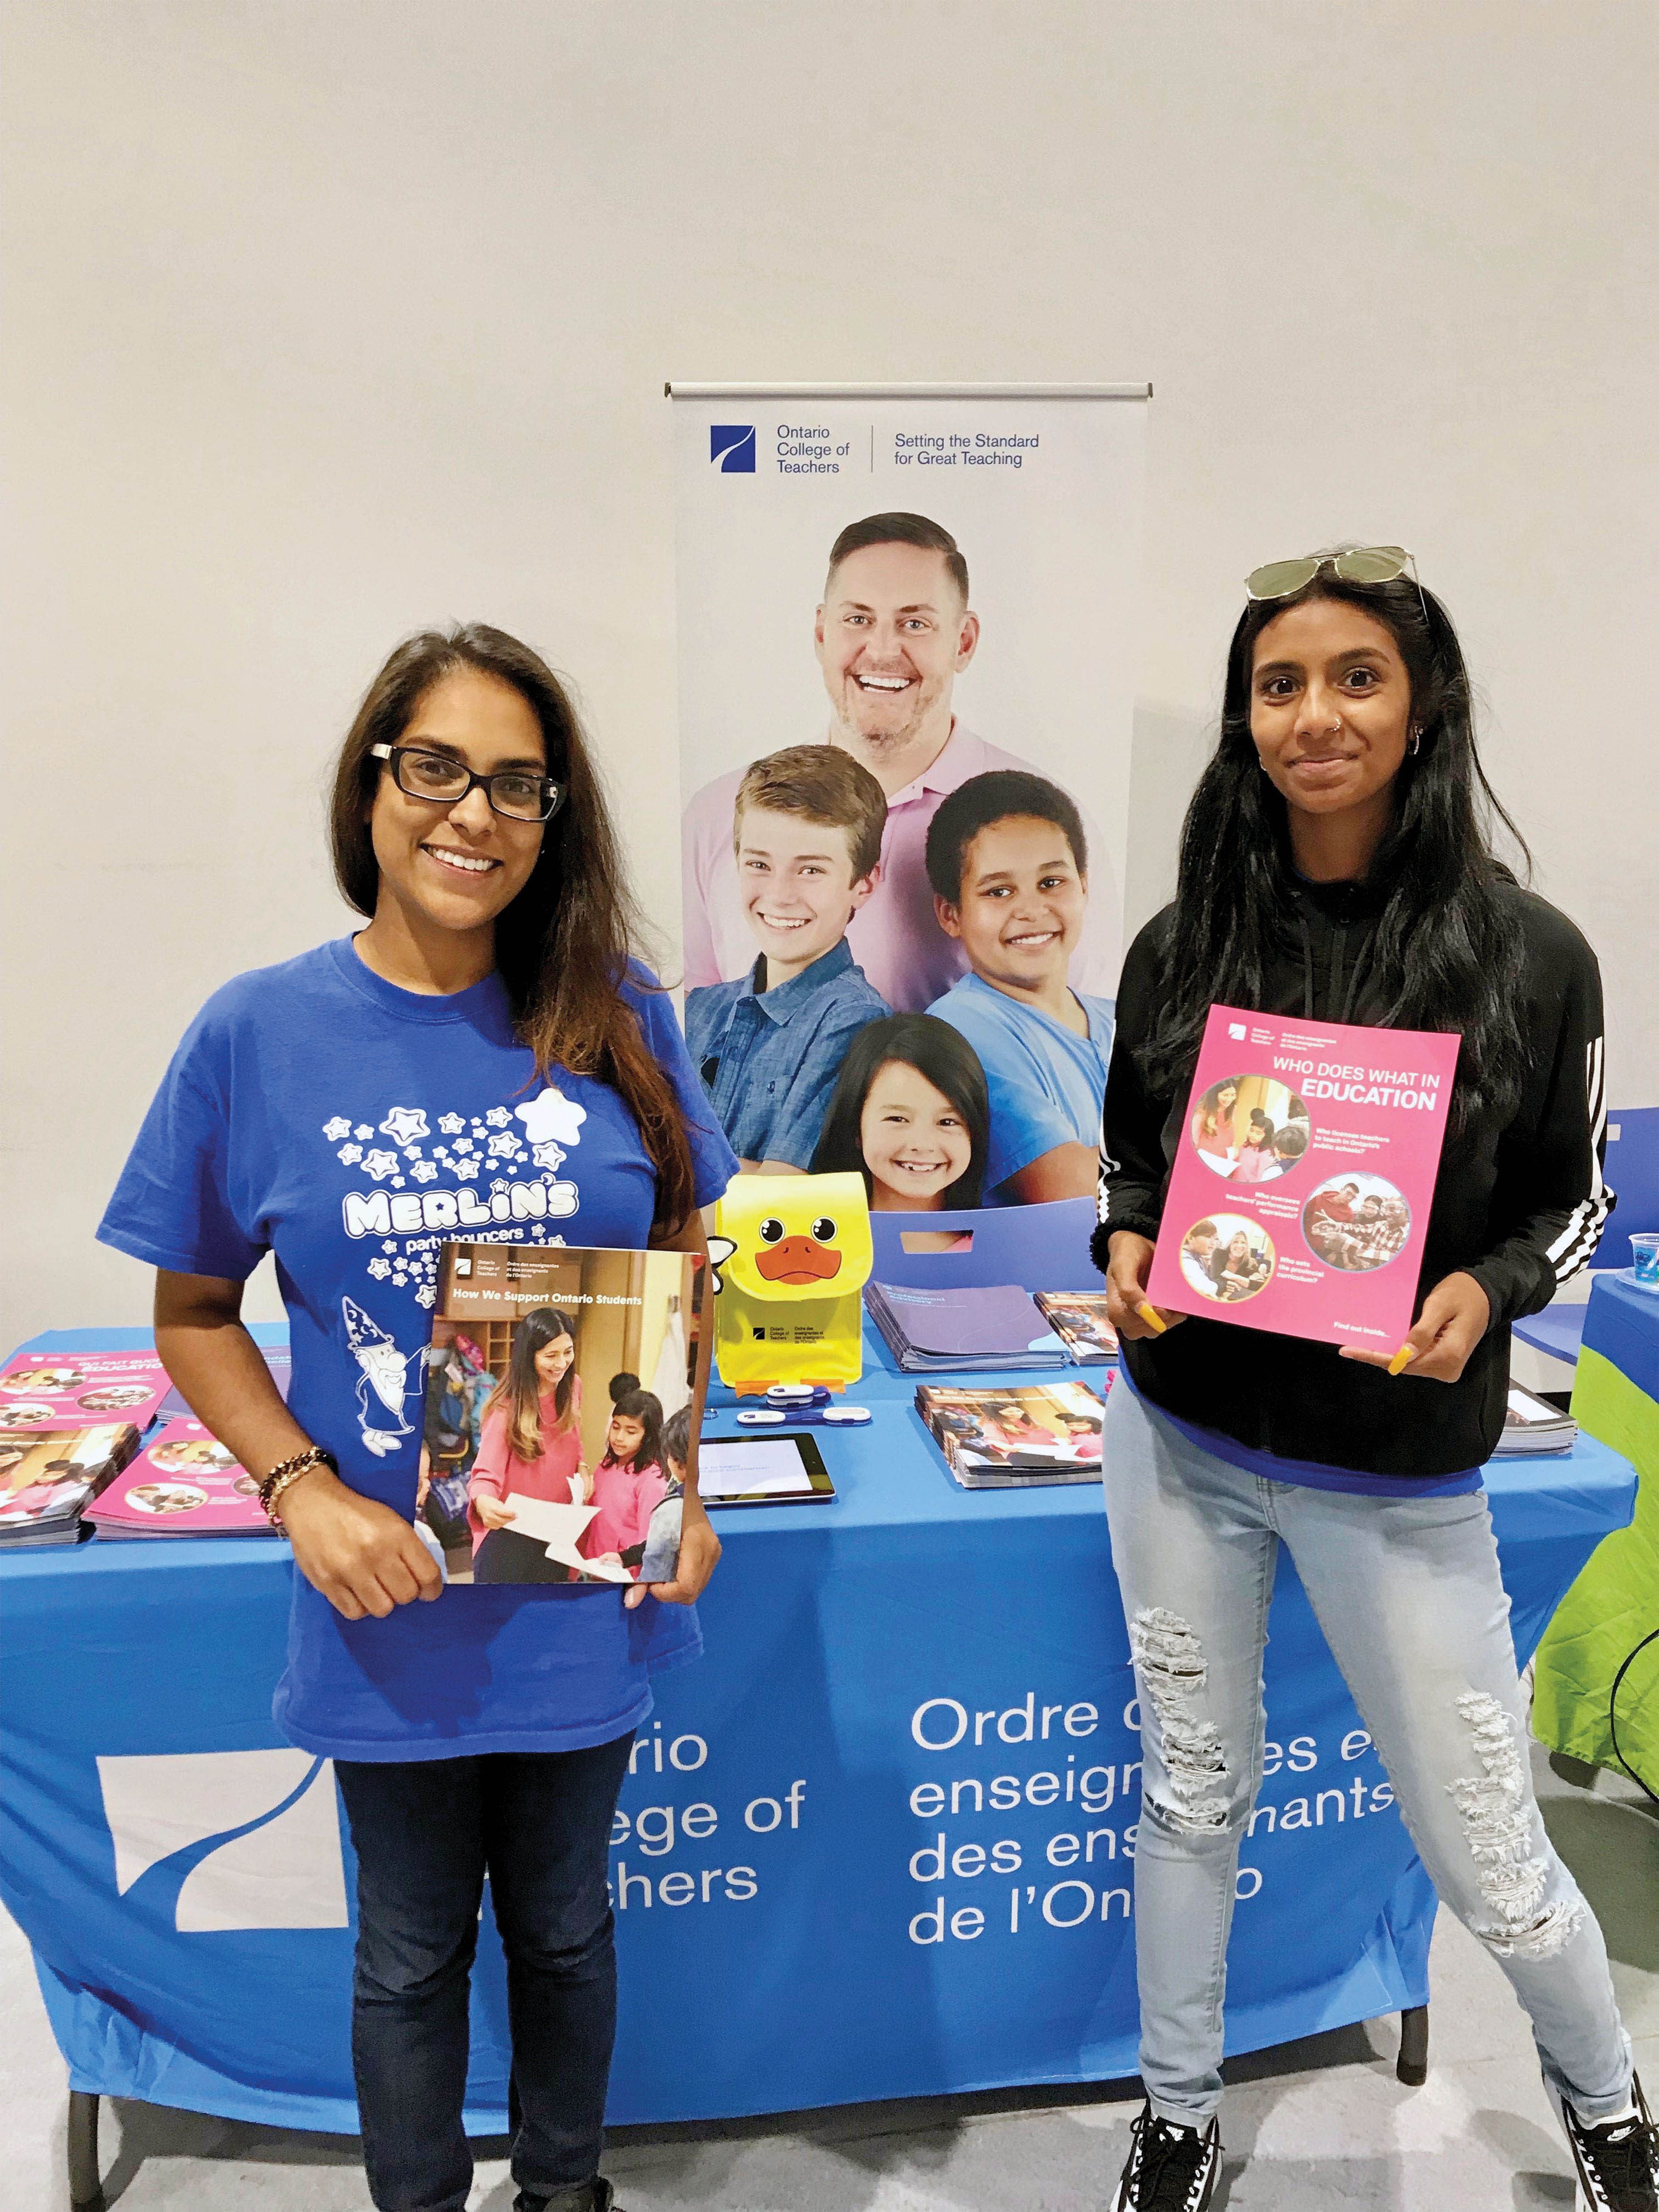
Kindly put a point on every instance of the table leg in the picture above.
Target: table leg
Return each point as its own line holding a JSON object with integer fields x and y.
{"x": 86, "y": 2193}
{"x": 1413, "y": 2065}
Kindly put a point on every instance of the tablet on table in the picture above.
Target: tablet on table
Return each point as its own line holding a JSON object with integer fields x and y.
{"x": 762, "y": 1470}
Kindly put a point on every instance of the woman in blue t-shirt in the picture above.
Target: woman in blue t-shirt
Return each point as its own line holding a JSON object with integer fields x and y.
{"x": 482, "y": 1055}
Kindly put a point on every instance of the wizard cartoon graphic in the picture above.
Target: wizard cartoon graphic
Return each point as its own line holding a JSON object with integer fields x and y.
{"x": 384, "y": 1372}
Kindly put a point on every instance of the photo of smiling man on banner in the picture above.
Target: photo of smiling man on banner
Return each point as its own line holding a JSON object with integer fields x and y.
{"x": 894, "y": 632}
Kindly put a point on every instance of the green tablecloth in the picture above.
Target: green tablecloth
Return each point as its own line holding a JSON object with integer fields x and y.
{"x": 1614, "y": 1604}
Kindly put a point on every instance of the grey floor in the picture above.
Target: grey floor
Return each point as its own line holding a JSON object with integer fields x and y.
{"x": 1319, "y": 2122}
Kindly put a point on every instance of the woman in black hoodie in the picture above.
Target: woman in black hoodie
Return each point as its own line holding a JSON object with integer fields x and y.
{"x": 1337, "y": 863}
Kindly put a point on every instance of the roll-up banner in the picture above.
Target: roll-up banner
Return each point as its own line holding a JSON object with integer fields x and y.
{"x": 908, "y": 620}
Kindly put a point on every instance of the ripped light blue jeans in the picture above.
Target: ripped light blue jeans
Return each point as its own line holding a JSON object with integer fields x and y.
{"x": 1408, "y": 1595}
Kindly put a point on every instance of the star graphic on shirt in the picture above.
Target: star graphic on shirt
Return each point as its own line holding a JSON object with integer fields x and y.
{"x": 552, "y": 1118}
{"x": 498, "y": 1184}
{"x": 496, "y": 1117}
{"x": 338, "y": 1128}
{"x": 503, "y": 1145}
{"x": 390, "y": 1245}
{"x": 363, "y": 1132}
{"x": 547, "y": 1156}
{"x": 423, "y": 1170}
{"x": 349, "y": 1155}
{"x": 404, "y": 1124}
{"x": 380, "y": 1164}
{"x": 426, "y": 1296}
{"x": 466, "y": 1170}
{"x": 379, "y": 1269}
{"x": 451, "y": 1124}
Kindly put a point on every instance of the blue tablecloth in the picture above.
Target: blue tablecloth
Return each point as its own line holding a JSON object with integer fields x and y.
{"x": 1621, "y": 1323}
{"x": 913, "y": 1738}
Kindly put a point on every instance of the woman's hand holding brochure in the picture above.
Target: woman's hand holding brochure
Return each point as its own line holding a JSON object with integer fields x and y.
{"x": 1455, "y": 1315}
{"x": 364, "y": 1557}
{"x": 1127, "y": 1303}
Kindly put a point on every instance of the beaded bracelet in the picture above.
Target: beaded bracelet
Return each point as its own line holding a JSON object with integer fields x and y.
{"x": 288, "y": 1472}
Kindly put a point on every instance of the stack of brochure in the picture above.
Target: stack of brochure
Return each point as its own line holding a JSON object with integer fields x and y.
{"x": 930, "y": 1332}
{"x": 1078, "y": 1320}
{"x": 1531, "y": 1424}
{"x": 67, "y": 1389}
{"x": 184, "y": 1483}
{"x": 1018, "y": 1438}
{"x": 49, "y": 1476}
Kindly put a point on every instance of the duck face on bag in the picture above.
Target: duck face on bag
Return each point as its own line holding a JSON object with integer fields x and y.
{"x": 798, "y": 1237}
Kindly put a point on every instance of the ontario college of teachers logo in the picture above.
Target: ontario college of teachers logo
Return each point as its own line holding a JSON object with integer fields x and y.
{"x": 732, "y": 448}
{"x": 212, "y": 1840}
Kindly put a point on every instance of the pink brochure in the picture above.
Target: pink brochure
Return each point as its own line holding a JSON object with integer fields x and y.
{"x": 59, "y": 1390}
{"x": 184, "y": 1483}
{"x": 1301, "y": 1190}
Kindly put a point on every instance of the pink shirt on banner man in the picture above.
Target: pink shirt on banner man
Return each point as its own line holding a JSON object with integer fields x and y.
{"x": 895, "y": 937}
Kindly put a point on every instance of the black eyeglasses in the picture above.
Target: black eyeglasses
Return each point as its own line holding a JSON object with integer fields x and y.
{"x": 517, "y": 793}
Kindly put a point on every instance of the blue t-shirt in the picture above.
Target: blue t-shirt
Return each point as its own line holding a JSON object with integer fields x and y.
{"x": 317, "y": 1111}
{"x": 1309, "y": 1473}
{"x": 1046, "y": 1085}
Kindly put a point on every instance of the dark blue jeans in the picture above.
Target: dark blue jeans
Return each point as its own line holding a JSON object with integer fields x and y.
{"x": 425, "y": 1831}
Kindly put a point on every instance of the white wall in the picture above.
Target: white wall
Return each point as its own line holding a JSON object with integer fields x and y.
{"x": 326, "y": 318}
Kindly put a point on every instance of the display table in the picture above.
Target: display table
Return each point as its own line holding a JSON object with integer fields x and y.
{"x": 1614, "y": 1604}
{"x": 878, "y": 1843}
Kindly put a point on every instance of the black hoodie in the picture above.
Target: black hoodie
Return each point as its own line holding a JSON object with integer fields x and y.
{"x": 1519, "y": 1202}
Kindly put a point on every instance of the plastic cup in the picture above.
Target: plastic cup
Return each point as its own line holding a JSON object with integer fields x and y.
{"x": 1644, "y": 1253}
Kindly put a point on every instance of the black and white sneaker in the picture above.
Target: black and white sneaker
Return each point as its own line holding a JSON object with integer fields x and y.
{"x": 1171, "y": 2169}
{"x": 594, "y": 2195}
{"x": 1617, "y": 2162}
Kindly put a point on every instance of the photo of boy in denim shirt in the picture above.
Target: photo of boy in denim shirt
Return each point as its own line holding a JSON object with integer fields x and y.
{"x": 807, "y": 836}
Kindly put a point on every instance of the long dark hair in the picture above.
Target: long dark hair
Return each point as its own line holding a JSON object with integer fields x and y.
{"x": 1447, "y": 949}
{"x": 945, "y": 1057}
{"x": 644, "y": 1406}
{"x": 519, "y": 1392}
{"x": 562, "y": 946}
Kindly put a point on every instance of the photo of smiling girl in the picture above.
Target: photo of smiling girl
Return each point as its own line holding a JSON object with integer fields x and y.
{"x": 531, "y": 1444}
{"x": 910, "y": 1112}
{"x": 629, "y": 1484}
{"x": 1009, "y": 865}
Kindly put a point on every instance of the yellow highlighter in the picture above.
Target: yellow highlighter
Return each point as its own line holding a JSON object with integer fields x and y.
{"x": 1153, "y": 1319}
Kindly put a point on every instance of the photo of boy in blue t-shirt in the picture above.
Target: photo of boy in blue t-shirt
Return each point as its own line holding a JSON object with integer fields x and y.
{"x": 807, "y": 833}
{"x": 1008, "y": 864}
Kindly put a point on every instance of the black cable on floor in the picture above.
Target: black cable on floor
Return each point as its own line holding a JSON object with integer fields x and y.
{"x": 1613, "y": 1716}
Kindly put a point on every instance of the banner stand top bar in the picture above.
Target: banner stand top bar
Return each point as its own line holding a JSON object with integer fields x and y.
{"x": 672, "y": 391}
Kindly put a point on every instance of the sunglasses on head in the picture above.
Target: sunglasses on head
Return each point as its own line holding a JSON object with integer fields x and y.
{"x": 1360, "y": 564}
